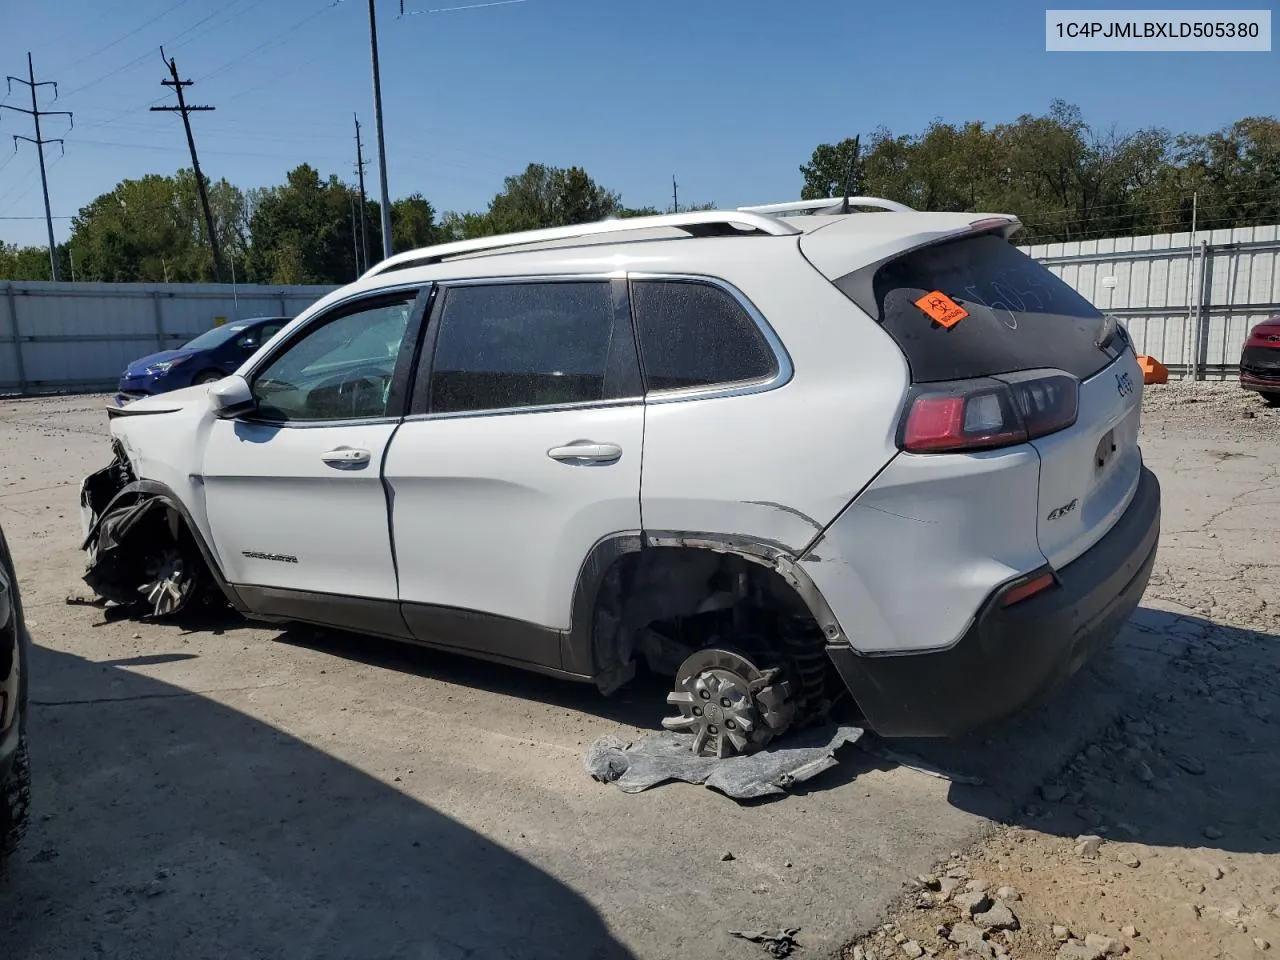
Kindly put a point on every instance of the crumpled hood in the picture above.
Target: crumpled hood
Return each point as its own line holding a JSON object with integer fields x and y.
{"x": 139, "y": 367}
{"x": 185, "y": 399}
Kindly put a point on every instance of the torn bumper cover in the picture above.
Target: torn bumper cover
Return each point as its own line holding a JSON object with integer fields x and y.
{"x": 139, "y": 548}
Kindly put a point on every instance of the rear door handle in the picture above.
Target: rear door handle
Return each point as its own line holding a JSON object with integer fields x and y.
{"x": 346, "y": 457}
{"x": 585, "y": 451}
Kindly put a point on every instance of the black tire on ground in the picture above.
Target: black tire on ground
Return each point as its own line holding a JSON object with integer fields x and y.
{"x": 1271, "y": 399}
{"x": 15, "y": 789}
{"x": 15, "y": 801}
{"x": 208, "y": 376}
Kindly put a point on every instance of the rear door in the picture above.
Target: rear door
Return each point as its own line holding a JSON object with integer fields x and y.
{"x": 1019, "y": 317}
{"x": 522, "y": 452}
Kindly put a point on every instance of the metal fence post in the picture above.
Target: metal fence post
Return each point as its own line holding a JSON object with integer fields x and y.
{"x": 17, "y": 339}
{"x": 284, "y": 308}
{"x": 1201, "y": 356}
{"x": 155, "y": 299}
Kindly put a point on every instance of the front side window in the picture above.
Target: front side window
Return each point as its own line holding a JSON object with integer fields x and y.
{"x": 338, "y": 369}
{"x": 512, "y": 345}
{"x": 694, "y": 334}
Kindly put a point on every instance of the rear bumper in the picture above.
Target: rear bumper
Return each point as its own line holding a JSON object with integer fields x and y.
{"x": 1260, "y": 369}
{"x": 1013, "y": 657}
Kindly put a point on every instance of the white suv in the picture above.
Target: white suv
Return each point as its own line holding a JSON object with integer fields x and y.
{"x": 764, "y": 450}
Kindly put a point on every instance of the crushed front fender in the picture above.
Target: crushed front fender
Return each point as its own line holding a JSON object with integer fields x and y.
{"x": 140, "y": 553}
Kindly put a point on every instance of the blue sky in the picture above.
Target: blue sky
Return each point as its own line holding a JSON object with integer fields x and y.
{"x": 731, "y": 96}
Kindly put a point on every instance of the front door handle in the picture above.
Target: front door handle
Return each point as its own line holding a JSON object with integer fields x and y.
{"x": 346, "y": 457}
{"x": 586, "y": 451}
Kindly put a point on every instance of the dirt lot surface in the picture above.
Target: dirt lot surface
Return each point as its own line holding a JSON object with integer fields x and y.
{"x": 231, "y": 790}
{"x": 1160, "y": 838}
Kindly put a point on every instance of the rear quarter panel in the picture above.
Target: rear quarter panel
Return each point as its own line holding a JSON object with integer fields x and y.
{"x": 778, "y": 465}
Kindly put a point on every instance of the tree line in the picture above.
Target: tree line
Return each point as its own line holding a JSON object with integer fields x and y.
{"x": 1067, "y": 180}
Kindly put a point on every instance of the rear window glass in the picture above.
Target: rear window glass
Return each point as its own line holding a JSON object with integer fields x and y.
{"x": 1019, "y": 315}
{"x": 696, "y": 335}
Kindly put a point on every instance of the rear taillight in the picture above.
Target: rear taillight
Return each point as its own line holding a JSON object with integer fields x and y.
{"x": 988, "y": 413}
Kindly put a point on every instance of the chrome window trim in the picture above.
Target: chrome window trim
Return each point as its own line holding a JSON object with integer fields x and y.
{"x": 595, "y": 276}
{"x": 737, "y": 388}
{"x": 541, "y": 408}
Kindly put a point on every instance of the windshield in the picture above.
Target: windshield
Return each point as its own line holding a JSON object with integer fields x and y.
{"x": 215, "y": 337}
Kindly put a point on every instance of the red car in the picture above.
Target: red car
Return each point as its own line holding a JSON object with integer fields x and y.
{"x": 1260, "y": 361}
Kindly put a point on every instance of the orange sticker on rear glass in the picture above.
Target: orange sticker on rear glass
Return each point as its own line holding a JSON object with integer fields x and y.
{"x": 942, "y": 309}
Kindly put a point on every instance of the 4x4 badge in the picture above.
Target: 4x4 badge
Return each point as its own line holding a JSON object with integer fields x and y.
{"x": 1063, "y": 510}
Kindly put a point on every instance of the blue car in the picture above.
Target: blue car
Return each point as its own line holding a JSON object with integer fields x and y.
{"x": 209, "y": 357}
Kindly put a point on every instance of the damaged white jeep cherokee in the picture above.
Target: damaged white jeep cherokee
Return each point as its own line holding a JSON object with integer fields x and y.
{"x": 776, "y": 453}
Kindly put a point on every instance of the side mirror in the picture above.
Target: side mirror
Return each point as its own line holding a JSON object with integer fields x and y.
{"x": 247, "y": 343}
{"x": 231, "y": 396}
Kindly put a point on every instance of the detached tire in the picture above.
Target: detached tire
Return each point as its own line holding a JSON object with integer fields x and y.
{"x": 15, "y": 801}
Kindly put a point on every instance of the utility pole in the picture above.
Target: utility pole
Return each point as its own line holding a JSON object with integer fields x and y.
{"x": 355, "y": 240}
{"x": 360, "y": 164}
{"x": 35, "y": 113}
{"x": 675, "y": 195}
{"x": 185, "y": 110}
{"x": 382, "y": 144}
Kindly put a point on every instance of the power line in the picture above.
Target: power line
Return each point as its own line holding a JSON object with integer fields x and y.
{"x": 468, "y": 6}
{"x": 35, "y": 113}
{"x": 177, "y": 83}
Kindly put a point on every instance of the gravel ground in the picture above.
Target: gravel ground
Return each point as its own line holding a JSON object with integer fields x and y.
{"x": 1161, "y": 837}
{"x": 229, "y": 790}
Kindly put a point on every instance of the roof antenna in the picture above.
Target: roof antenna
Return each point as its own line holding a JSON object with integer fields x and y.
{"x": 848, "y": 173}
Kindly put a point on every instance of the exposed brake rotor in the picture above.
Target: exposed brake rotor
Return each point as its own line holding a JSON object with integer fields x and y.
{"x": 729, "y": 704}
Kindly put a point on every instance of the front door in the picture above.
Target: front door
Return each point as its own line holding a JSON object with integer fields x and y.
{"x": 523, "y": 451}
{"x": 293, "y": 490}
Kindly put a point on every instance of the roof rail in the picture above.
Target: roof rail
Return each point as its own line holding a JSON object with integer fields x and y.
{"x": 815, "y": 206}
{"x": 699, "y": 223}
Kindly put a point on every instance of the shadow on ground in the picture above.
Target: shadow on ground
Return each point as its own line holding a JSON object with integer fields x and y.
{"x": 187, "y": 829}
{"x": 1172, "y": 695}
{"x": 1184, "y": 755}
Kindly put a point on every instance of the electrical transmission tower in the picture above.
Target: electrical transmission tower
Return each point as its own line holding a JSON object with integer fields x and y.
{"x": 186, "y": 110}
{"x": 35, "y": 113}
{"x": 360, "y": 165}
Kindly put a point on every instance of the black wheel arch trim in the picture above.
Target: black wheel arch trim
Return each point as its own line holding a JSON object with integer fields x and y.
{"x": 154, "y": 489}
{"x": 579, "y": 653}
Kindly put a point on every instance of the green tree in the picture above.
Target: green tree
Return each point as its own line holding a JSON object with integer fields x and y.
{"x": 413, "y": 224}
{"x": 302, "y": 231}
{"x": 31, "y": 263}
{"x": 833, "y": 169}
{"x": 541, "y": 197}
{"x": 153, "y": 229}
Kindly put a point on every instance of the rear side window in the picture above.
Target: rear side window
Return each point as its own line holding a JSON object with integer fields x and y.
{"x": 695, "y": 334}
{"x": 1019, "y": 315}
{"x": 512, "y": 345}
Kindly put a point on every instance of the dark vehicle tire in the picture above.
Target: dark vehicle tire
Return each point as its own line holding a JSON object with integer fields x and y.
{"x": 15, "y": 801}
{"x": 1271, "y": 399}
{"x": 15, "y": 786}
{"x": 209, "y": 376}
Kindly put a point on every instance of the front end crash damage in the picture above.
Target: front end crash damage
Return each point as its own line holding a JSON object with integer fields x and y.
{"x": 141, "y": 554}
